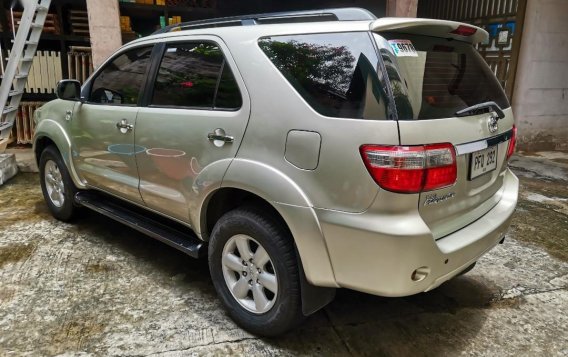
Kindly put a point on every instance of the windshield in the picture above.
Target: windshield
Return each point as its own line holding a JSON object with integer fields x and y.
{"x": 433, "y": 78}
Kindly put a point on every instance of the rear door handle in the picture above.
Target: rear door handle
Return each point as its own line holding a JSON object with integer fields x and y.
{"x": 223, "y": 138}
{"x": 219, "y": 137}
{"x": 124, "y": 126}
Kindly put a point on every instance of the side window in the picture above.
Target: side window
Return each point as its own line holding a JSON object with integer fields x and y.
{"x": 120, "y": 82}
{"x": 195, "y": 75}
{"x": 338, "y": 74}
{"x": 228, "y": 94}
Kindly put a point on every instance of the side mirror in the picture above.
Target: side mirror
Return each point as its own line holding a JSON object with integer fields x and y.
{"x": 69, "y": 89}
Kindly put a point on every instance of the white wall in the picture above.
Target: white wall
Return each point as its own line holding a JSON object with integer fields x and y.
{"x": 540, "y": 99}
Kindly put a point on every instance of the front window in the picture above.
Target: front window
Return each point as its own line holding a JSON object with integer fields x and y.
{"x": 120, "y": 82}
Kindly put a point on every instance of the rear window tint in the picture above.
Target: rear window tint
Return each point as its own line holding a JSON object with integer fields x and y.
{"x": 439, "y": 78}
{"x": 335, "y": 73}
{"x": 188, "y": 75}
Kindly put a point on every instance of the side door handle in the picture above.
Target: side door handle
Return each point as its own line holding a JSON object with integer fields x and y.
{"x": 219, "y": 137}
{"x": 124, "y": 126}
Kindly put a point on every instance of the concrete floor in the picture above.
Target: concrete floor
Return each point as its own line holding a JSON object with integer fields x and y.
{"x": 98, "y": 288}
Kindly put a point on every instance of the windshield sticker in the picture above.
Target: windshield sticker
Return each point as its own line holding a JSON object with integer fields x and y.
{"x": 403, "y": 48}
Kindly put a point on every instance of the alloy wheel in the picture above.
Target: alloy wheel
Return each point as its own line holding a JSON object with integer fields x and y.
{"x": 249, "y": 274}
{"x": 54, "y": 184}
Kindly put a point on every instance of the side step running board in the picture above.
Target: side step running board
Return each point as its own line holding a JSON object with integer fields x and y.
{"x": 156, "y": 227}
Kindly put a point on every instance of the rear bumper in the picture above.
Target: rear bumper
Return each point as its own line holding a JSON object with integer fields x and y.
{"x": 378, "y": 253}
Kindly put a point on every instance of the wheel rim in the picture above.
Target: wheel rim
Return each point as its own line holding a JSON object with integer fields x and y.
{"x": 249, "y": 274}
{"x": 54, "y": 184}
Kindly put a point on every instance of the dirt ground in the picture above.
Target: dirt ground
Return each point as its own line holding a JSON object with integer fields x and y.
{"x": 98, "y": 288}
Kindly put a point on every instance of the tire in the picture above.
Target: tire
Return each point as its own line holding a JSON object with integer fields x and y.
{"x": 283, "y": 310}
{"x": 56, "y": 184}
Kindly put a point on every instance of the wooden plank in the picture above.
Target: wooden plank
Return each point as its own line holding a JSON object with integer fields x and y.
{"x": 517, "y": 39}
{"x": 35, "y": 83}
{"x": 51, "y": 69}
{"x": 77, "y": 68}
{"x": 44, "y": 70}
{"x": 70, "y": 66}
{"x": 58, "y": 67}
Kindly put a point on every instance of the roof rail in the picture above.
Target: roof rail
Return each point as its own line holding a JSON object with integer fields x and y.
{"x": 339, "y": 14}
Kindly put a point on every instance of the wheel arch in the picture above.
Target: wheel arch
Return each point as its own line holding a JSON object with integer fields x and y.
{"x": 250, "y": 182}
{"x": 49, "y": 132}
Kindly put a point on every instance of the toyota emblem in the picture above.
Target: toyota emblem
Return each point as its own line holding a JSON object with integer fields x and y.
{"x": 493, "y": 123}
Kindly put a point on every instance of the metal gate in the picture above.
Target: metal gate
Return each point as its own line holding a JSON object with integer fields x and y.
{"x": 503, "y": 19}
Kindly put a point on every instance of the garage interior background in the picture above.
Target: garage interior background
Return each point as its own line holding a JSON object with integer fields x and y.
{"x": 528, "y": 48}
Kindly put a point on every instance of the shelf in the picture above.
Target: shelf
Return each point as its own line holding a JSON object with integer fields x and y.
{"x": 74, "y": 38}
{"x": 49, "y": 37}
{"x": 38, "y": 97}
{"x": 147, "y": 10}
{"x": 162, "y": 8}
{"x": 141, "y": 10}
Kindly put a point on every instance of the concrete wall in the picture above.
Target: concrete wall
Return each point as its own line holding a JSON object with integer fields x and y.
{"x": 540, "y": 98}
{"x": 104, "y": 28}
{"x": 402, "y": 8}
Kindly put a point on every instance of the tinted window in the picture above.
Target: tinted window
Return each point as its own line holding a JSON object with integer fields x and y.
{"x": 439, "y": 78}
{"x": 189, "y": 76}
{"x": 121, "y": 81}
{"x": 335, "y": 73}
{"x": 228, "y": 94}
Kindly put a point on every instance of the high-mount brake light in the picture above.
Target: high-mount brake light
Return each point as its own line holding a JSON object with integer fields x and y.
{"x": 512, "y": 143}
{"x": 463, "y": 30}
{"x": 411, "y": 169}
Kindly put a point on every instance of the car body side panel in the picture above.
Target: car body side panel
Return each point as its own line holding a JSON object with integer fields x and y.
{"x": 177, "y": 148}
{"x": 340, "y": 180}
{"x": 103, "y": 153}
{"x": 294, "y": 206}
{"x": 53, "y": 125}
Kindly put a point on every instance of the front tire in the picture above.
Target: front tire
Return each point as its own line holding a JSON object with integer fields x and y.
{"x": 56, "y": 184}
{"x": 254, "y": 270}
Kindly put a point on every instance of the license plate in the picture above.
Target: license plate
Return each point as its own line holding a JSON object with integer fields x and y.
{"x": 482, "y": 162}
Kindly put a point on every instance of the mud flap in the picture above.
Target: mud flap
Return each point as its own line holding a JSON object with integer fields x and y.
{"x": 313, "y": 297}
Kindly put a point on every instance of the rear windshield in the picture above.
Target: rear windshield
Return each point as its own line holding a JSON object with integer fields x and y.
{"x": 335, "y": 73}
{"x": 433, "y": 78}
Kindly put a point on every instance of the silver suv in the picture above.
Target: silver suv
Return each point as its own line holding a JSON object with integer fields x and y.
{"x": 301, "y": 152}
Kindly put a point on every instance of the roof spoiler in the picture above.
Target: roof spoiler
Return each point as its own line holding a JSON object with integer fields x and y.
{"x": 431, "y": 27}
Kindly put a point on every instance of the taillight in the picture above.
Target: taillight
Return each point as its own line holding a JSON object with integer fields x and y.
{"x": 512, "y": 143}
{"x": 411, "y": 169}
{"x": 463, "y": 30}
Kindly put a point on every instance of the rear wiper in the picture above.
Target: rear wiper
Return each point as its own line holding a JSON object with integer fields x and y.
{"x": 478, "y": 108}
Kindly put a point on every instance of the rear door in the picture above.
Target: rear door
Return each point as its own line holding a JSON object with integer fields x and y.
{"x": 432, "y": 78}
{"x": 196, "y": 114}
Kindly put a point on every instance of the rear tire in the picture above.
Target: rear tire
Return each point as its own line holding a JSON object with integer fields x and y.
{"x": 56, "y": 184}
{"x": 254, "y": 269}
